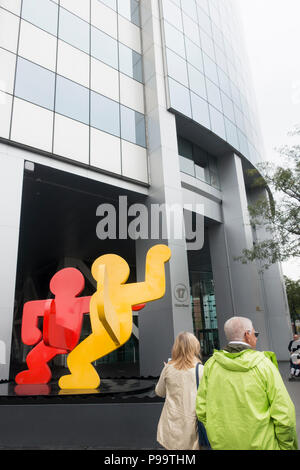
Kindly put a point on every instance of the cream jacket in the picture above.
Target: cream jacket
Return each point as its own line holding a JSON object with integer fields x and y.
{"x": 177, "y": 427}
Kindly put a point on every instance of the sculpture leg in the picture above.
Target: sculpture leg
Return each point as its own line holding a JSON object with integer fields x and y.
{"x": 83, "y": 373}
{"x": 38, "y": 370}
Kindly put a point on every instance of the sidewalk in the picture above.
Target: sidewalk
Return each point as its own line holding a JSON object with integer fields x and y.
{"x": 294, "y": 391}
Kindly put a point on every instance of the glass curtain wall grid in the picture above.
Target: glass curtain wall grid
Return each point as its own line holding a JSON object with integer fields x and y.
{"x": 56, "y": 53}
{"x": 207, "y": 77}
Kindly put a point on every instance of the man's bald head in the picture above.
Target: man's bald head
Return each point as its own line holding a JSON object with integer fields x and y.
{"x": 236, "y": 327}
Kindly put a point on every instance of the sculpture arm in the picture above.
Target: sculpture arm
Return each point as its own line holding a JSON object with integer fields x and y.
{"x": 154, "y": 286}
{"x": 31, "y": 311}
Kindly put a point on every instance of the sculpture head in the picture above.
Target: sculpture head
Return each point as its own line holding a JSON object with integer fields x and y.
{"x": 116, "y": 267}
{"x": 67, "y": 281}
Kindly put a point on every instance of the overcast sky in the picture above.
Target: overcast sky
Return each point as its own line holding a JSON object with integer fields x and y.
{"x": 272, "y": 36}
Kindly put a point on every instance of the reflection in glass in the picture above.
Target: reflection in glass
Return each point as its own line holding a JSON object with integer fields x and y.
{"x": 180, "y": 98}
{"x": 194, "y": 55}
{"x": 105, "y": 114}
{"x": 231, "y": 132}
{"x": 104, "y": 48}
{"x": 217, "y": 122}
{"x": 110, "y": 3}
{"x": 174, "y": 39}
{"x": 200, "y": 110}
{"x": 173, "y": 13}
{"x": 133, "y": 126}
{"x": 213, "y": 94}
{"x": 130, "y": 63}
{"x": 185, "y": 148}
{"x": 74, "y": 31}
{"x": 197, "y": 81}
{"x": 210, "y": 69}
{"x": 35, "y": 84}
{"x": 177, "y": 67}
{"x": 72, "y": 100}
{"x": 187, "y": 166}
{"x": 41, "y": 13}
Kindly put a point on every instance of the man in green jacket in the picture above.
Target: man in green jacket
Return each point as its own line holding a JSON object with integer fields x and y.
{"x": 242, "y": 400}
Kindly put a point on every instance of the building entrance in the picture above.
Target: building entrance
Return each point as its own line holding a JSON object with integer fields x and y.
{"x": 58, "y": 230}
{"x": 203, "y": 299}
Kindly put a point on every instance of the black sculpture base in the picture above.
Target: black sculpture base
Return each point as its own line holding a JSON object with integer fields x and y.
{"x": 121, "y": 414}
{"x": 108, "y": 387}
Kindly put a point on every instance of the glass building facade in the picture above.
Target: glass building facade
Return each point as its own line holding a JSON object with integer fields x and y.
{"x": 208, "y": 80}
{"x": 75, "y": 69}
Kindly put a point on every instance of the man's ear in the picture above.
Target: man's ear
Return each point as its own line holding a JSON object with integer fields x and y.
{"x": 246, "y": 337}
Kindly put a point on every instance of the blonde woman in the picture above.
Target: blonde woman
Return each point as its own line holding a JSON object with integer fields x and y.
{"x": 177, "y": 427}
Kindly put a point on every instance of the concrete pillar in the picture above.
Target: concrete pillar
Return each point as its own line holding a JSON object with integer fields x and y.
{"x": 237, "y": 286}
{"x": 274, "y": 293}
{"x": 11, "y": 183}
{"x": 161, "y": 321}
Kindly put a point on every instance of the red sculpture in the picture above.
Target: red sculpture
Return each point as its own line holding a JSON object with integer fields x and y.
{"x": 62, "y": 325}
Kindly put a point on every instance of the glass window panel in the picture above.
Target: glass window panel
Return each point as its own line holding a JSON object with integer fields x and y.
{"x": 105, "y": 114}
{"x": 189, "y": 7}
{"x": 218, "y": 36}
{"x": 207, "y": 45}
{"x": 110, "y": 3}
{"x": 197, "y": 82}
{"x": 240, "y": 120}
{"x": 172, "y": 14}
{"x": 231, "y": 132}
{"x": 187, "y": 166}
{"x": 191, "y": 29}
{"x": 213, "y": 94}
{"x": 177, "y": 67}
{"x": 130, "y": 9}
{"x": 180, "y": 98}
{"x": 133, "y": 126}
{"x": 130, "y": 63}
{"x": 221, "y": 59}
{"x": 201, "y": 165}
{"x": 174, "y": 39}
{"x": 185, "y": 148}
{"x": 74, "y": 31}
{"x": 224, "y": 82}
{"x": 42, "y": 13}
{"x": 244, "y": 146}
{"x": 104, "y": 48}
{"x": 204, "y": 21}
{"x": 228, "y": 108}
{"x": 210, "y": 69}
{"x": 194, "y": 55}
{"x": 214, "y": 174}
{"x": 200, "y": 111}
{"x": 72, "y": 100}
{"x": 217, "y": 123}
{"x": 204, "y": 5}
{"x": 35, "y": 84}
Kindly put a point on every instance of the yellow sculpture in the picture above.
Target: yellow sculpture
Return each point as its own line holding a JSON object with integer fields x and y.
{"x": 111, "y": 312}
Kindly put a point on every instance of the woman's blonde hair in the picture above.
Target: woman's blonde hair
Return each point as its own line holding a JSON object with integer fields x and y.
{"x": 186, "y": 351}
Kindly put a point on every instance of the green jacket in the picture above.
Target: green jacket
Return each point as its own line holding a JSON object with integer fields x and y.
{"x": 244, "y": 405}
